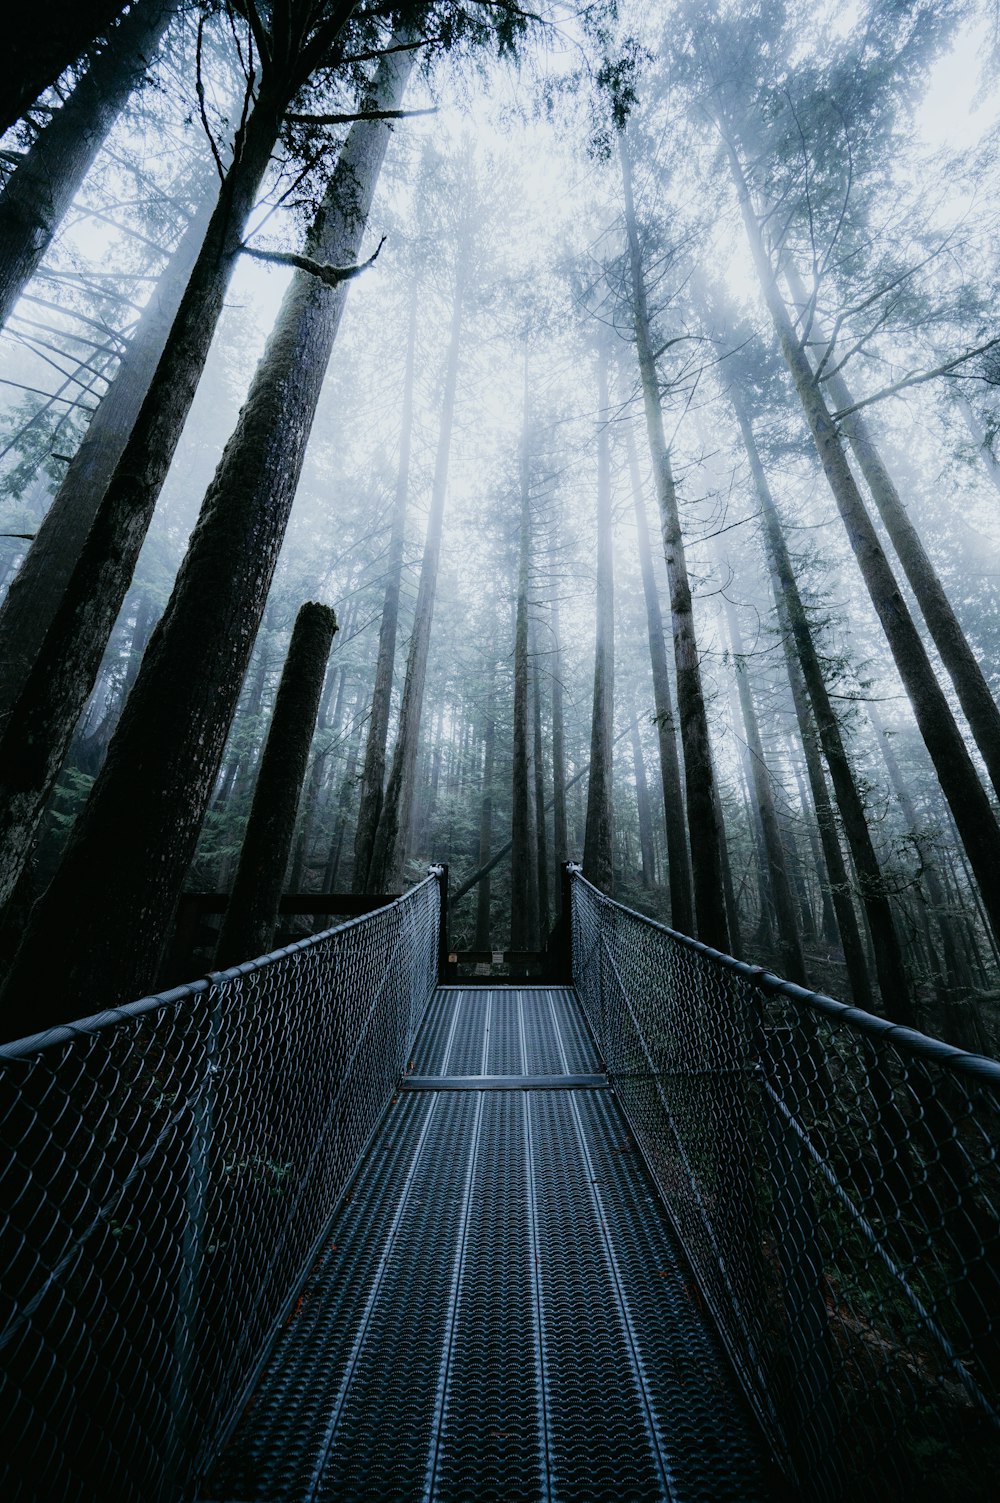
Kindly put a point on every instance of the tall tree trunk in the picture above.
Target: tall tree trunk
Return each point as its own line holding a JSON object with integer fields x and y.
{"x": 703, "y": 829}
{"x": 945, "y": 629}
{"x": 678, "y": 857}
{"x": 560, "y": 834}
{"x": 389, "y": 850}
{"x": 486, "y": 813}
{"x": 598, "y": 840}
{"x": 889, "y": 964}
{"x": 252, "y": 914}
{"x": 524, "y": 855}
{"x": 646, "y": 844}
{"x": 40, "y": 583}
{"x": 538, "y": 765}
{"x": 38, "y": 47}
{"x": 109, "y": 905}
{"x": 788, "y": 937}
{"x": 40, "y": 190}
{"x": 373, "y": 775}
{"x": 960, "y": 784}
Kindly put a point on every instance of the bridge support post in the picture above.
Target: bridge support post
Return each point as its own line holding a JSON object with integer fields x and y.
{"x": 559, "y": 949}
{"x": 446, "y": 966}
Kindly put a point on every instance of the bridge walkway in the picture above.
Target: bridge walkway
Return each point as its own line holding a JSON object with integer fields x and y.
{"x": 501, "y": 1309}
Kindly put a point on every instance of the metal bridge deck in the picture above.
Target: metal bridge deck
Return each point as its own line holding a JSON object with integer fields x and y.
{"x": 501, "y": 1309}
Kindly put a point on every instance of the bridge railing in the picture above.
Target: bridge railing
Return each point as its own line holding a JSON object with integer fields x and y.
{"x": 168, "y": 1172}
{"x": 834, "y": 1180}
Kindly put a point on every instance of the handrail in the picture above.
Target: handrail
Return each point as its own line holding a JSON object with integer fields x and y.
{"x": 834, "y": 1179}
{"x": 173, "y": 1166}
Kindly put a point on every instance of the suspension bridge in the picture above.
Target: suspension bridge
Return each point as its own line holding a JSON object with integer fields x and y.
{"x": 658, "y": 1225}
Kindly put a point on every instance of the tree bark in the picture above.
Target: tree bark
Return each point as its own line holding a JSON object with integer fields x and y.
{"x": 678, "y": 857}
{"x": 598, "y": 840}
{"x": 109, "y": 906}
{"x": 946, "y": 632}
{"x": 252, "y": 915}
{"x": 960, "y": 784}
{"x": 37, "y": 48}
{"x": 703, "y": 830}
{"x": 389, "y": 852}
{"x": 373, "y": 775}
{"x": 39, "y": 585}
{"x": 45, "y": 181}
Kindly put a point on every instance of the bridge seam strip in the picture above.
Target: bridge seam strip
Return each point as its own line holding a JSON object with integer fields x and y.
{"x": 504, "y": 1083}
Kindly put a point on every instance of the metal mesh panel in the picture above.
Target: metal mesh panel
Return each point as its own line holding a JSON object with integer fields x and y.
{"x": 168, "y": 1169}
{"x": 834, "y": 1180}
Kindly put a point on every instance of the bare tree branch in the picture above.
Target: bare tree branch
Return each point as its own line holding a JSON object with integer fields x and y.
{"x": 916, "y": 379}
{"x": 199, "y": 84}
{"x": 357, "y": 115}
{"x": 330, "y": 276}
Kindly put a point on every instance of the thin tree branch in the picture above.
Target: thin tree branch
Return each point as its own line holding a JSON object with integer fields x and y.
{"x": 199, "y": 84}
{"x": 258, "y": 31}
{"x": 917, "y": 379}
{"x": 378, "y": 53}
{"x": 347, "y": 119}
{"x": 330, "y": 276}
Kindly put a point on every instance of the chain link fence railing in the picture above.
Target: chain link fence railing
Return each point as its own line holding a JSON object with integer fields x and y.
{"x": 834, "y": 1179}
{"x": 169, "y": 1170}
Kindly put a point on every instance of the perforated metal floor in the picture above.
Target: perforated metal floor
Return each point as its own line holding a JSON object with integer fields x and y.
{"x": 501, "y": 1309}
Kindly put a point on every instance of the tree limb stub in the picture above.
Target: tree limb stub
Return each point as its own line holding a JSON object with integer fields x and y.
{"x": 332, "y": 276}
